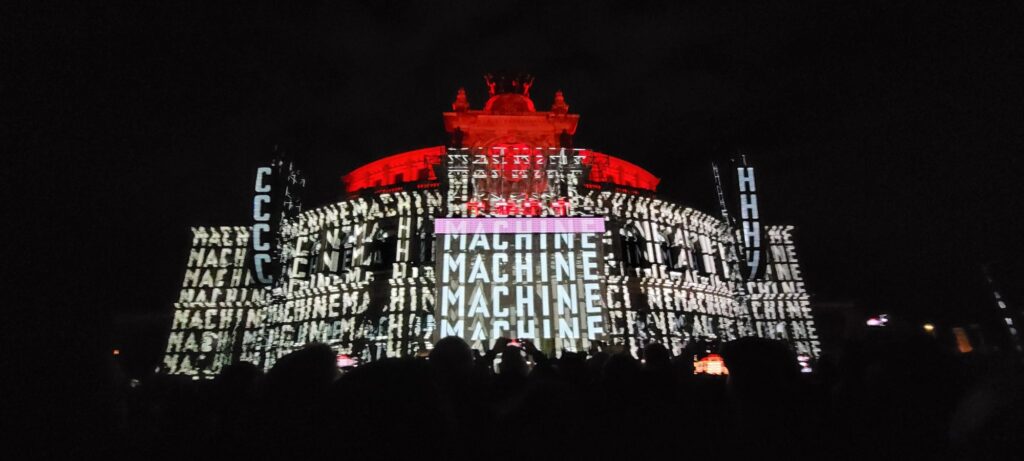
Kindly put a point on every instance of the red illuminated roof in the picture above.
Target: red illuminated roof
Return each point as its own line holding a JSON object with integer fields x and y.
{"x": 412, "y": 166}
{"x": 614, "y": 170}
{"x": 417, "y": 166}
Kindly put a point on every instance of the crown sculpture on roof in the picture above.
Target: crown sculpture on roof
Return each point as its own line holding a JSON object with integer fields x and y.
{"x": 505, "y": 84}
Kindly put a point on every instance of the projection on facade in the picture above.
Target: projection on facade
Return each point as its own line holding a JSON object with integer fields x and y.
{"x": 508, "y": 230}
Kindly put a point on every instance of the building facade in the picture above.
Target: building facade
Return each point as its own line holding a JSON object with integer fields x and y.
{"x": 508, "y": 230}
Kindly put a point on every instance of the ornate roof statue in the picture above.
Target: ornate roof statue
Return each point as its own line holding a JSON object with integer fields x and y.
{"x": 461, "y": 103}
{"x": 559, "y": 106}
{"x": 508, "y": 84}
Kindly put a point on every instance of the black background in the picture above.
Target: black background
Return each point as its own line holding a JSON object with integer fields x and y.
{"x": 889, "y": 133}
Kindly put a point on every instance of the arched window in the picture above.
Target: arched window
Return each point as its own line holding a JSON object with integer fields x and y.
{"x": 424, "y": 242}
{"x": 665, "y": 247}
{"x": 383, "y": 246}
{"x": 348, "y": 244}
{"x": 633, "y": 246}
{"x": 696, "y": 255}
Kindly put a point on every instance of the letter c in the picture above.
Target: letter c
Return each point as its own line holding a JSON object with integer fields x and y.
{"x": 257, "y": 209}
{"x": 260, "y": 173}
{"x": 259, "y": 260}
{"x": 257, "y": 232}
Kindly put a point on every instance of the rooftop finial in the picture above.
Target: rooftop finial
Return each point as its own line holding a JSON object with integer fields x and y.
{"x": 461, "y": 103}
{"x": 559, "y": 106}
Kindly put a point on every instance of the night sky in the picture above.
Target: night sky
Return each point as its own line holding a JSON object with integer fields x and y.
{"x": 889, "y": 133}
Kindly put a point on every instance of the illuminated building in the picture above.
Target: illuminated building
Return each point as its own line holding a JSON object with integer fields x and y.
{"x": 509, "y": 230}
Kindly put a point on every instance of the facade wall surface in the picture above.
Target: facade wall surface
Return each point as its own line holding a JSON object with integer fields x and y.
{"x": 359, "y": 275}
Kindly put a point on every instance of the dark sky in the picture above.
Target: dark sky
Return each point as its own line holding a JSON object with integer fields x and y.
{"x": 889, "y": 132}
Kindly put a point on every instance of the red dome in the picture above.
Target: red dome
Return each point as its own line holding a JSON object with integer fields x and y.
{"x": 509, "y": 103}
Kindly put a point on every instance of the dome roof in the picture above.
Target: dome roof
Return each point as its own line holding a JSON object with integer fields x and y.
{"x": 509, "y": 103}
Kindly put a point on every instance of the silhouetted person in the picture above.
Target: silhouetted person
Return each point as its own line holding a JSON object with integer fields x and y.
{"x": 657, "y": 380}
{"x": 764, "y": 386}
{"x": 656, "y": 357}
{"x": 596, "y": 364}
{"x": 988, "y": 421}
{"x": 237, "y": 403}
{"x": 896, "y": 397}
{"x": 682, "y": 368}
{"x": 511, "y": 378}
{"x": 572, "y": 367}
{"x": 462, "y": 385}
{"x": 296, "y": 388}
{"x": 303, "y": 375}
{"x": 512, "y": 362}
{"x": 451, "y": 358}
{"x": 389, "y": 409}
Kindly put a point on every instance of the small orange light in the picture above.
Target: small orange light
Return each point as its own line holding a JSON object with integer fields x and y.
{"x": 929, "y": 328}
{"x": 963, "y": 343}
{"x": 117, "y": 351}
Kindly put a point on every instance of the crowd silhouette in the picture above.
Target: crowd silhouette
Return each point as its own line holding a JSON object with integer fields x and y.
{"x": 887, "y": 398}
